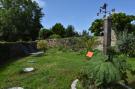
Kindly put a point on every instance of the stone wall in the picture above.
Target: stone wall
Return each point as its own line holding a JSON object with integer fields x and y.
{"x": 113, "y": 40}
{"x": 69, "y": 42}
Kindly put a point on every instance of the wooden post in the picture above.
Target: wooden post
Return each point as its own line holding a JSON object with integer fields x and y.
{"x": 107, "y": 35}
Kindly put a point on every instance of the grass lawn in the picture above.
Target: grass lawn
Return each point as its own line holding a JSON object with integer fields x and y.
{"x": 131, "y": 77}
{"x": 55, "y": 70}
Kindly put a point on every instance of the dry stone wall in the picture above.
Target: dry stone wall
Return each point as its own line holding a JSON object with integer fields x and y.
{"x": 71, "y": 42}
{"x": 113, "y": 40}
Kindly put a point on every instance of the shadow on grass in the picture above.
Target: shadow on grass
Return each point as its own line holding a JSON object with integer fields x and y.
{"x": 5, "y": 63}
{"x": 132, "y": 84}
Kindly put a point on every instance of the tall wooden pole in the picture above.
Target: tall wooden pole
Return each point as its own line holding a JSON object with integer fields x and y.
{"x": 107, "y": 34}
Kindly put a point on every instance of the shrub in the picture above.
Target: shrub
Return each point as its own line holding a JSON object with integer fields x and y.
{"x": 101, "y": 73}
{"x": 89, "y": 43}
{"x": 42, "y": 45}
{"x": 55, "y": 36}
{"x": 75, "y": 43}
{"x": 126, "y": 44}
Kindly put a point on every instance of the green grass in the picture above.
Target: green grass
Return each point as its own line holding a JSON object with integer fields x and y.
{"x": 131, "y": 78}
{"x": 55, "y": 70}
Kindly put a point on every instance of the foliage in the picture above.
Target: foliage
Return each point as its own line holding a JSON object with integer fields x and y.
{"x": 85, "y": 33}
{"x": 58, "y": 29}
{"x": 55, "y": 36}
{"x": 126, "y": 44}
{"x": 120, "y": 22}
{"x": 89, "y": 42}
{"x": 70, "y": 31}
{"x": 74, "y": 43}
{"x": 97, "y": 27}
{"x": 42, "y": 45}
{"x": 102, "y": 73}
{"x": 19, "y": 20}
{"x": 44, "y": 33}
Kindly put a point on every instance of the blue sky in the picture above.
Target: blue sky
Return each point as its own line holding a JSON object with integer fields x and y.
{"x": 79, "y": 13}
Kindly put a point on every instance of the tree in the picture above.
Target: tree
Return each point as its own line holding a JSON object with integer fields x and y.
{"x": 133, "y": 28}
{"x": 70, "y": 31}
{"x": 45, "y": 33}
{"x": 42, "y": 45}
{"x": 97, "y": 27}
{"x": 58, "y": 29}
{"x": 19, "y": 19}
{"x": 85, "y": 33}
{"x": 120, "y": 23}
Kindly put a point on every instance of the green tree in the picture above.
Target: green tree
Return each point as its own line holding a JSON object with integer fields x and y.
{"x": 85, "y": 33}
{"x": 19, "y": 19}
{"x": 97, "y": 27}
{"x": 120, "y": 23}
{"x": 70, "y": 31}
{"x": 45, "y": 33}
{"x": 58, "y": 29}
{"x": 42, "y": 45}
{"x": 133, "y": 28}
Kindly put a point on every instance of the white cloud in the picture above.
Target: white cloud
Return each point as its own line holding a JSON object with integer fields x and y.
{"x": 41, "y": 3}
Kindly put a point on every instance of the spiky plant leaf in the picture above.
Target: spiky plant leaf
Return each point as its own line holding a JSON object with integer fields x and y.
{"x": 101, "y": 72}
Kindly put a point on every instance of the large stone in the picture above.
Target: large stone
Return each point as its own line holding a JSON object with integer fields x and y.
{"x": 30, "y": 69}
{"x": 113, "y": 38}
{"x": 74, "y": 84}
{"x": 37, "y": 53}
{"x": 31, "y": 61}
{"x": 16, "y": 88}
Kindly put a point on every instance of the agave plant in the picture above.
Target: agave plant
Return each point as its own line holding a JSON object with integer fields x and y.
{"x": 90, "y": 43}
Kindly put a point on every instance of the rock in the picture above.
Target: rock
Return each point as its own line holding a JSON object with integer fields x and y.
{"x": 113, "y": 38}
{"x": 28, "y": 69}
{"x": 37, "y": 53}
{"x": 31, "y": 62}
{"x": 16, "y": 88}
{"x": 74, "y": 83}
{"x": 127, "y": 87}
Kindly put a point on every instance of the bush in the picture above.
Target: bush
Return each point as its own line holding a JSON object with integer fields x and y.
{"x": 101, "y": 73}
{"x": 42, "y": 45}
{"x": 89, "y": 43}
{"x": 75, "y": 43}
{"x": 126, "y": 44}
{"x": 55, "y": 36}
